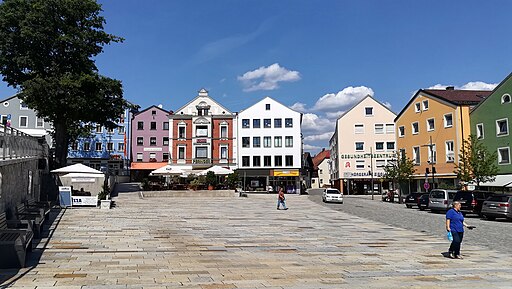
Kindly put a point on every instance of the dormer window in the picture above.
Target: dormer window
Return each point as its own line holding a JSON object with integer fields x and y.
{"x": 505, "y": 98}
{"x": 368, "y": 111}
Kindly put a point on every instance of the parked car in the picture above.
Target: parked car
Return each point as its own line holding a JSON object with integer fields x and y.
{"x": 440, "y": 199}
{"x": 497, "y": 206}
{"x": 423, "y": 202}
{"x": 332, "y": 195}
{"x": 472, "y": 201}
{"x": 412, "y": 199}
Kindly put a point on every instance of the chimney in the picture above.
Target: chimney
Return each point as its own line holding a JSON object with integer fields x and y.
{"x": 450, "y": 88}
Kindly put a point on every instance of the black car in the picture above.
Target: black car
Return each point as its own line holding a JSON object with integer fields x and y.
{"x": 412, "y": 199}
{"x": 472, "y": 201}
{"x": 423, "y": 202}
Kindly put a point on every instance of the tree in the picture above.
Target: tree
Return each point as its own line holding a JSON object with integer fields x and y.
{"x": 400, "y": 170}
{"x": 476, "y": 163}
{"x": 46, "y": 53}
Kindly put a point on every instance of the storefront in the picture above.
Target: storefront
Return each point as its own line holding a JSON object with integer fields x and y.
{"x": 260, "y": 180}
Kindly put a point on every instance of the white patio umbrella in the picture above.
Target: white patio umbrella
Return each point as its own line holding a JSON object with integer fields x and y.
{"x": 218, "y": 170}
{"x": 168, "y": 170}
{"x": 77, "y": 168}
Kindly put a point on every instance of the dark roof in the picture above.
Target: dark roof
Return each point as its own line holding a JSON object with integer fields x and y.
{"x": 469, "y": 97}
{"x": 324, "y": 154}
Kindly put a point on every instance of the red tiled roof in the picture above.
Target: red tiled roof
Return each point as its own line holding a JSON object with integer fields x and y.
{"x": 325, "y": 154}
{"x": 469, "y": 97}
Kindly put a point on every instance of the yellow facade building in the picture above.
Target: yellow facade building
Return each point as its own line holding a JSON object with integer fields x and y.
{"x": 430, "y": 130}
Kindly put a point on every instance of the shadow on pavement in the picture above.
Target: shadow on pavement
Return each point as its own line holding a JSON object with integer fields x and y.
{"x": 125, "y": 188}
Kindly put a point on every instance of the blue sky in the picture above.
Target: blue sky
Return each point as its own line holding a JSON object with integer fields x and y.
{"x": 318, "y": 57}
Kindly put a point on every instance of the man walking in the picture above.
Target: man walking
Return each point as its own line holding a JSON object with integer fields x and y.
{"x": 281, "y": 199}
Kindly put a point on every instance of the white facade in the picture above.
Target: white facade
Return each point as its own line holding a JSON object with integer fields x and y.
{"x": 269, "y": 145}
{"x": 323, "y": 179}
{"x": 365, "y": 143}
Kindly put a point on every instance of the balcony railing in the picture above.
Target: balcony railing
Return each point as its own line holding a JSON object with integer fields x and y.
{"x": 15, "y": 144}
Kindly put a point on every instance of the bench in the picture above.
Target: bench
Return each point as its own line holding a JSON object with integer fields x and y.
{"x": 36, "y": 216}
{"x": 44, "y": 207}
{"x": 15, "y": 240}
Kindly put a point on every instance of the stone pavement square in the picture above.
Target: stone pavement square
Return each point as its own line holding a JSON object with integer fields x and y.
{"x": 222, "y": 242}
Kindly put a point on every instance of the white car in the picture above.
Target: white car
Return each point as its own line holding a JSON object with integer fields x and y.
{"x": 332, "y": 195}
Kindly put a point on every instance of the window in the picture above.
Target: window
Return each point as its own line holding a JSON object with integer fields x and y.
{"x": 245, "y": 123}
{"x": 416, "y": 155}
{"x": 99, "y": 146}
{"x": 450, "y": 154}
{"x": 202, "y": 130}
{"x": 110, "y": 146}
{"x": 165, "y": 125}
{"x": 278, "y": 123}
{"x": 415, "y": 128}
{"x": 480, "y": 131}
{"x": 246, "y": 142}
{"x": 267, "y": 123}
{"x": 23, "y": 105}
{"x": 201, "y": 152}
{"x": 417, "y": 107}
{"x": 503, "y": 156}
{"x": 379, "y": 146}
{"x": 165, "y": 157}
{"x": 256, "y": 142}
{"x": 402, "y": 153}
{"x": 278, "y": 161}
{"x": 288, "y": 122}
{"x": 165, "y": 141}
{"x": 278, "y": 141}
{"x": 223, "y": 152}
{"x": 152, "y": 141}
{"x": 153, "y": 112}
{"x": 288, "y": 161}
{"x": 140, "y": 141}
{"x": 390, "y": 145}
{"x": 380, "y": 163}
{"x": 39, "y": 122}
{"x": 505, "y": 98}
{"x": 152, "y": 157}
{"x": 359, "y": 146}
{"x": 432, "y": 155}
{"x": 448, "y": 120}
{"x": 181, "y": 132}
{"x": 110, "y": 130}
{"x": 120, "y": 129}
{"x": 245, "y": 161}
{"x": 431, "y": 124}
{"x": 181, "y": 152}
{"x": 401, "y": 131}
{"x": 379, "y": 128}
{"x": 74, "y": 146}
{"x": 120, "y": 147}
{"x": 224, "y": 131}
{"x": 359, "y": 164}
{"x": 256, "y": 161}
{"x": 256, "y": 123}
{"x": 390, "y": 128}
{"x": 267, "y": 141}
{"x": 359, "y": 128}
{"x": 23, "y": 121}
{"x": 139, "y": 157}
{"x": 267, "y": 161}
{"x": 87, "y": 146}
{"x": 98, "y": 128}
{"x": 288, "y": 141}
{"x": 368, "y": 111}
{"x": 152, "y": 125}
{"x": 267, "y": 106}
{"x": 140, "y": 125}
{"x": 502, "y": 127}
{"x": 425, "y": 105}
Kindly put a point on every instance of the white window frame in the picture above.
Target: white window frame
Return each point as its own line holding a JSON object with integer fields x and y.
{"x": 99, "y": 128}
{"x": 366, "y": 111}
{"x": 222, "y": 149}
{"x": 355, "y": 146}
{"x": 500, "y": 158}
{"x": 223, "y": 128}
{"x": 425, "y": 107}
{"x": 359, "y": 128}
{"x": 432, "y": 154}
{"x": 383, "y": 145}
{"x": 184, "y": 127}
{"x": 418, "y": 126}
{"x": 478, "y": 134}
{"x": 450, "y": 154}
{"x": 26, "y": 121}
{"x": 390, "y": 128}
{"x": 506, "y": 95}
{"x": 498, "y": 134}
{"x": 401, "y": 131}
{"x": 140, "y": 157}
{"x": 379, "y": 131}
{"x": 394, "y": 146}
{"x": 416, "y": 155}
{"x": 417, "y": 107}
{"x": 267, "y": 141}
{"x": 380, "y": 164}
{"x": 361, "y": 164}
{"x": 433, "y": 124}
{"x": 120, "y": 146}
{"x": 277, "y": 143}
{"x": 445, "y": 120}
{"x": 288, "y": 141}
{"x": 178, "y": 157}
{"x": 100, "y": 147}
{"x": 42, "y": 122}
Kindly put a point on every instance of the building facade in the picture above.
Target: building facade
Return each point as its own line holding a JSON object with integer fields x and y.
{"x": 362, "y": 145}
{"x": 270, "y": 147}
{"x": 149, "y": 141}
{"x": 490, "y": 123}
{"x": 430, "y": 130}
{"x": 202, "y": 134}
{"x": 321, "y": 177}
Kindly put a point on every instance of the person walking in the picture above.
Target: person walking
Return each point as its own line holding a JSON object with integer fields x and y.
{"x": 455, "y": 224}
{"x": 281, "y": 199}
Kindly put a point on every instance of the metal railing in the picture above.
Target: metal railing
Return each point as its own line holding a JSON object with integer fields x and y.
{"x": 15, "y": 144}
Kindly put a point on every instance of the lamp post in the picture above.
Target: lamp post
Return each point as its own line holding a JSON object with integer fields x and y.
{"x": 371, "y": 170}
{"x": 432, "y": 162}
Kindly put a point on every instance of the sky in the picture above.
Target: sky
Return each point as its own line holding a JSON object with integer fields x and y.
{"x": 317, "y": 57}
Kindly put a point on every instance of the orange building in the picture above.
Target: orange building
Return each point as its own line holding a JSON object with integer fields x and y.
{"x": 430, "y": 130}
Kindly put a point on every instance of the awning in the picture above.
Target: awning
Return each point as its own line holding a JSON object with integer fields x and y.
{"x": 82, "y": 175}
{"x": 500, "y": 181}
{"x": 146, "y": 166}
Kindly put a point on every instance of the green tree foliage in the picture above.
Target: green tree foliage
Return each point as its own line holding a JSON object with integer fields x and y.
{"x": 400, "y": 170}
{"x": 476, "y": 163}
{"x": 233, "y": 179}
{"x": 47, "y": 50}
{"x": 211, "y": 179}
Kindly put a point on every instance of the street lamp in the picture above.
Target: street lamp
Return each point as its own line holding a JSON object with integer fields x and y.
{"x": 371, "y": 170}
{"x": 431, "y": 161}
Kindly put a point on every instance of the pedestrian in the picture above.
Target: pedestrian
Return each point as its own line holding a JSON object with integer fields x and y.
{"x": 280, "y": 199}
{"x": 270, "y": 189}
{"x": 455, "y": 225}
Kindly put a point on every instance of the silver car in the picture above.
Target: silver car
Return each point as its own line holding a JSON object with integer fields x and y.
{"x": 498, "y": 206}
{"x": 332, "y": 195}
{"x": 440, "y": 200}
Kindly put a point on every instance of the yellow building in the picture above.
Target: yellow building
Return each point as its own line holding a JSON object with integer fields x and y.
{"x": 430, "y": 130}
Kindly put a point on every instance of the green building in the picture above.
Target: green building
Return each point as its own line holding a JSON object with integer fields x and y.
{"x": 491, "y": 122}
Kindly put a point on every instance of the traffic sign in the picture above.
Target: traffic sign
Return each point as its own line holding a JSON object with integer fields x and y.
{"x": 426, "y": 186}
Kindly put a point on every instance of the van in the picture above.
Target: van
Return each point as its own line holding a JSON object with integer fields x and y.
{"x": 441, "y": 200}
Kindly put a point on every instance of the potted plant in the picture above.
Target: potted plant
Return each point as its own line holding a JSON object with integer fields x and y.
{"x": 104, "y": 197}
{"x": 211, "y": 180}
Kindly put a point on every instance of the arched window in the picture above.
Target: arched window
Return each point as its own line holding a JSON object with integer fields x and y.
{"x": 505, "y": 98}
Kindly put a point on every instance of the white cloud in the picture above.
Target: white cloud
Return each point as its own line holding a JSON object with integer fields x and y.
{"x": 387, "y": 104}
{"x": 334, "y": 115}
{"x": 319, "y": 137}
{"x": 312, "y": 124}
{"x": 267, "y": 78}
{"x": 342, "y": 99}
{"x": 312, "y": 148}
{"x": 300, "y": 107}
{"x": 473, "y": 85}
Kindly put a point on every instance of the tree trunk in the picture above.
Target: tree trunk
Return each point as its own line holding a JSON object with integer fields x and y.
{"x": 61, "y": 144}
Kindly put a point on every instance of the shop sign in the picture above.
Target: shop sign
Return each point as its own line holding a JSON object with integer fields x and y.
{"x": 367, "y": 156}
{"x": 286, "y": 173}
{"x": 152, "y": 149}
{"x": 363, "y": 174}
{"x": 201, "y": 140}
